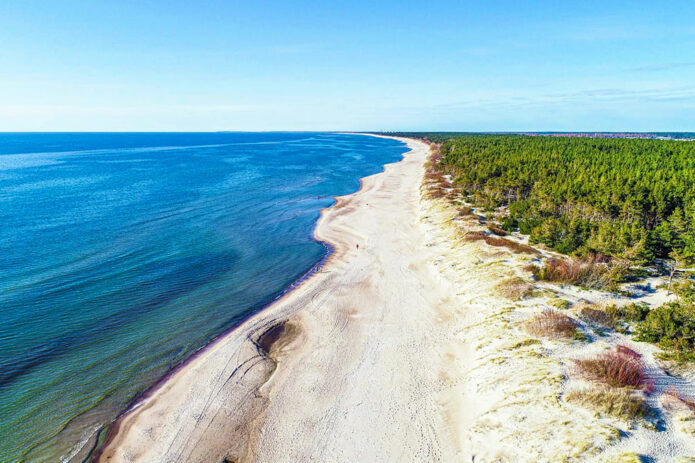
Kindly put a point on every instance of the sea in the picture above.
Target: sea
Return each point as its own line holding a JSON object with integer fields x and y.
{"x": 122, "y": 254}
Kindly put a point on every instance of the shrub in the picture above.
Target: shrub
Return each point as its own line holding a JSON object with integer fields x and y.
{"x": 552, "y": 324}
{"x": 597, "y": 317}
{"x": 515, "y": 289}
{"x": 672, "y": 327}
{"x": 619, "y": 403}
{"x": 509, "y": 223}
{"x": 685, "y": 290}
{"x": 614, "y": 369}
{"x": 588, "y": 273}
{"x": 465, "y": 211}
{"x": 629, "y": 313}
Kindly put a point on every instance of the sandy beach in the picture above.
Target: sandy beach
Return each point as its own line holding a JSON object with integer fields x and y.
{"x": 347, "y": 367}
{"x": 411, "y": 347}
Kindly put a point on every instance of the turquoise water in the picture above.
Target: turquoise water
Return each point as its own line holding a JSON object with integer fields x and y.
{"x": 122, "y": 254}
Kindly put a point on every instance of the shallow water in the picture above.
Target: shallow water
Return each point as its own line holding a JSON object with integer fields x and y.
{"x": 122, "y": 254}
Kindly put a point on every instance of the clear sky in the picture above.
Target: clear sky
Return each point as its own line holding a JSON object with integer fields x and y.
{"x": 337, "y": 65}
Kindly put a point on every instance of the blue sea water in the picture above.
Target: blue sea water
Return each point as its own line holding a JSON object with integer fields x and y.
{"x": 121, "y": 254}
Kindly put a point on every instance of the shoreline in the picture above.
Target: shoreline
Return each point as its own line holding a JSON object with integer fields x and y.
{"x": 414, "y": 346}
{"x": 96, "y": 453}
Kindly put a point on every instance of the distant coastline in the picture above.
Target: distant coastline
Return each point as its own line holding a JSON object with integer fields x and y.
{"x": 675, "y": 136}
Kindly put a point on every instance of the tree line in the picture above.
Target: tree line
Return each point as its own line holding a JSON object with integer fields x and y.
{"x": 632, "y": 199}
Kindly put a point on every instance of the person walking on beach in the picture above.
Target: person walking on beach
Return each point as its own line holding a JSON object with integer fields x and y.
{"x": 358, "y": 245}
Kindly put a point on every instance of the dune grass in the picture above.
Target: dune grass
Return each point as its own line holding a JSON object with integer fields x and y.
{"x": 598, "y": 317}
{"x": 496, "y": 229}
{"x": 515, "y": 289}
{"x": 553, "y": 324}
{"x": 619, "y": 403}
{"x": 501, "y": 242}
{"x": 562, "y": 304}
{"x": 589, "y": 272}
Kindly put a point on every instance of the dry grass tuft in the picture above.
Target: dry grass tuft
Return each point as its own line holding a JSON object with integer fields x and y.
{"x": 465, "y": 212}
{"x": 525, "y": 343}
{"x": 445, "y": 184}
{"x": 501, "y": 242}
{"x": 435, "y": 178}
{"x": 614, "y": 369}
{"x": 628, "y": 457}
{"x": 597, "y": 317}
{"x": 432, "y": 176}
{"x": 552, "y": 324}
{"x": 515, "y": 289}
{"x": 453, "y": 195}
{"x": 562, "y": 304}
{"x": 435, "y": 193}
{"x": 624, "y": 350}
{"x": 475, "y": 236}
{"x": 496, "y": 229}
{"x": 590, "y": 272}
{"x": 619, "y": 403}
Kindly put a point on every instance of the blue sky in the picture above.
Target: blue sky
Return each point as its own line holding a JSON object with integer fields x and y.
{"x": 337, "y": 65}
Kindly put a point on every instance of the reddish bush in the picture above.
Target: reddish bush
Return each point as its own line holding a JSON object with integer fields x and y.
{"x": 615, "y": 369}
